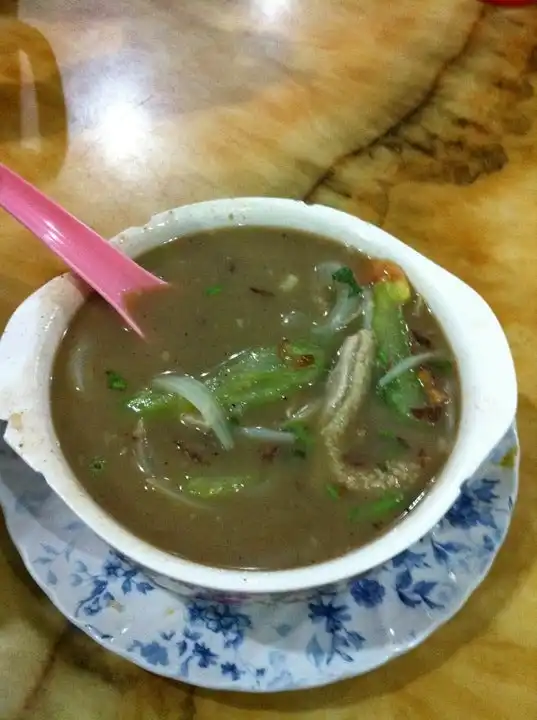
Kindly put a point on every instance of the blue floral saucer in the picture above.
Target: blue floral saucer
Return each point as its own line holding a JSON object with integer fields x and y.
{"x": 255, "y": 646}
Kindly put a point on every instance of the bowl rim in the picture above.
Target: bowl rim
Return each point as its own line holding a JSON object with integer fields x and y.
{"x": 343, "y": 228}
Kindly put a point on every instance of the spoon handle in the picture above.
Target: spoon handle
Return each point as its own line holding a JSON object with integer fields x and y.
{"x": 102, "y": 266}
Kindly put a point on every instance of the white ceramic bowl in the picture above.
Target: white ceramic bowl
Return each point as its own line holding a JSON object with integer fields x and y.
{"x": 485, "y": 364}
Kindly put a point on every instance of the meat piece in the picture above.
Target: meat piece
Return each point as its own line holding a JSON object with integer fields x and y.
{"x": 394, "y": 474}
{"x": 347, "y": 387}
{"x": 348, "y": 383}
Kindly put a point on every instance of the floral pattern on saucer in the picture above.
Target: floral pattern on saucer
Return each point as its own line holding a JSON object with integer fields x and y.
{"x": 322, "y": 637}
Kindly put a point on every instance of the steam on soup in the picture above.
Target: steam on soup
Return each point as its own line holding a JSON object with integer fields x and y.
{"x": 296, "y": 398}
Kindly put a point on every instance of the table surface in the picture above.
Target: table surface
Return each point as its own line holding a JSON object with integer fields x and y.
{"x": 419, "y": 116}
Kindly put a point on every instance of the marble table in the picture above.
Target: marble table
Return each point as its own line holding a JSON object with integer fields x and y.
{"x": 418, "y": 116}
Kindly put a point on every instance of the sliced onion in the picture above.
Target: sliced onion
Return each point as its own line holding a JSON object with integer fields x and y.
{"x": 77, "y": 367}
{"x": 306, "y": 411}
{"x": 141, "y": 451}
{"x": 347, "y": 307}
{"x": 325, "y": 272}
{"x": 368, "y": 308}
{"x": 195, "y": 421}
{"x": 405, "y": 365}
{"x": 160, "y": 485}
{"x": 341, "y": 375}
{"x": 261, "y": 434}
{"x": 153, "y": 482}
{"x": 295, "y": 319}
{"x": 203, "y": 400}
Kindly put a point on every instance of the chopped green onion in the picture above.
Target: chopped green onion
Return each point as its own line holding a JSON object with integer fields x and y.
{"x": 114, "y": 381}
{"x": 345, "y": 276}
{"x": 303, "y": 435}
{"x": 300, "y": 430}
{"x": 214, "y": 290}
{"x": 97, "y": 464}
{"x": 379, "y": 508}
{"x": 333, "y": 491}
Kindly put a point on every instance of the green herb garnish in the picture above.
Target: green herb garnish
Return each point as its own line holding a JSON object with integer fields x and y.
{"x": 114, "y": 381}
{"x": 304, "y": 437}
{"x": 97, "y": 464}
{"x": 377, "y": 509}
{"x": 333, "y": 491}
{"x": 214, "y": 290}
{"x": 345, "y": 276}
{"x": 300, "y": 430}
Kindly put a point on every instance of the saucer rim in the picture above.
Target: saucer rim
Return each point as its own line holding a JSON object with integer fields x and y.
{"x": 328, "y": 678}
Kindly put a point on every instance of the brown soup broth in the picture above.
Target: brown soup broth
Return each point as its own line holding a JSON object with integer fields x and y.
{"x": 233, "y": 290}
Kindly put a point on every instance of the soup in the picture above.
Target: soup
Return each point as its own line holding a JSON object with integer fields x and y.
{"x": 295, "y": 399}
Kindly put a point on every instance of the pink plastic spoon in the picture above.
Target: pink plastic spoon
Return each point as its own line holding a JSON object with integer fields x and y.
{"x": 104, "y": 268}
